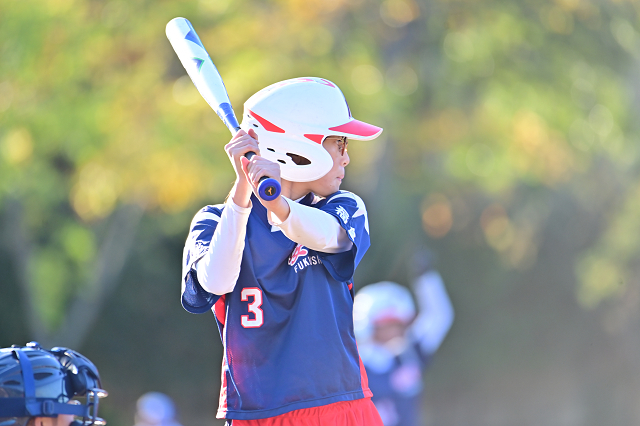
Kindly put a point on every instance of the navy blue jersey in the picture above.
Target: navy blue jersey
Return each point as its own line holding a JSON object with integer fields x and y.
{"x": 287, "y": 326}
{"x": 396, "y": 382}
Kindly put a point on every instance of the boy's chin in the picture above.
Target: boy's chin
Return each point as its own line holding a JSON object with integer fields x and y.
{"x": 325, "y": 192}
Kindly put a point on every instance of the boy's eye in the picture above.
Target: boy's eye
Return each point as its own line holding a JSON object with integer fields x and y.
{"x": 342, "y": 145}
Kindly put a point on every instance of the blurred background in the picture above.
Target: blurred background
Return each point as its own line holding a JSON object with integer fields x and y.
{"x": 510, "y": 149}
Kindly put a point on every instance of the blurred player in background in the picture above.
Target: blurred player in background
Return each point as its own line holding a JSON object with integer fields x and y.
{"x": 155, "y": 409}
{"x": 278, "y": 274}
{"x": 38, "y": 387}
{"x": 395, "y": 344}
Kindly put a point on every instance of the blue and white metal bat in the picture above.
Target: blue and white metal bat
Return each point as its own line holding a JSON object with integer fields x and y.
{"x": 206, "y": 78}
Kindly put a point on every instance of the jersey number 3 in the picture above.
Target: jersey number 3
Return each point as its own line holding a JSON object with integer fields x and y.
{"x": 254, "y": 308}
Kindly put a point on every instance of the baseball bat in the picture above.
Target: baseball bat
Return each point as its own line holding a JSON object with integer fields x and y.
{"x": 206, "y": 78}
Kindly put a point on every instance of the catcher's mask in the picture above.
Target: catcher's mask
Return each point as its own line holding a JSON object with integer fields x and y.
{"x": 35, "y": 382}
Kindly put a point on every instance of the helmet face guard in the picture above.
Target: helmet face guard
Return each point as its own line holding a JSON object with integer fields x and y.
{"x": 293, "y": 117}
{"x": 38, "y": 383}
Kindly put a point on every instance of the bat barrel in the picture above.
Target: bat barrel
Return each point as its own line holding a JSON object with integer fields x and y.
{"x": 206, "y": 78}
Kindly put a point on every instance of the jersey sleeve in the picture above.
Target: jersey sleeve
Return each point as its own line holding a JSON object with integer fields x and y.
{"x": 195, "y": 299}
{"x": 351, "y": 213}
{"x": 312, "y": 228}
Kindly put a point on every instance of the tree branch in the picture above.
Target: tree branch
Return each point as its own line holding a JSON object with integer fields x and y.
{"x": 18, "y": 243}
{"x": 111, "y": 260}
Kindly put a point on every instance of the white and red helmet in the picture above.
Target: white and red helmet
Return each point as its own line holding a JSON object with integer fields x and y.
{"x": 293, "y": 117}
{"x": 381, "y": 302}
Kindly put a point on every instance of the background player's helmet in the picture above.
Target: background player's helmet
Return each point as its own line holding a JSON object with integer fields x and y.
{"x": 293, "y": 117}
{"x": 379, "y": 302}
{"x": 35, "y": 382}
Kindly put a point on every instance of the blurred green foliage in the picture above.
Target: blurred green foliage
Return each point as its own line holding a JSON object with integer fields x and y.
{"x": 510, "y": 147}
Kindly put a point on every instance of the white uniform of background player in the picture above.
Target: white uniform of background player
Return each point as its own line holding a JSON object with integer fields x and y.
{"x": 396, "y": 344}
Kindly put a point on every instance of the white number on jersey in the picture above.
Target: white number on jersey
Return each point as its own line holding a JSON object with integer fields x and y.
{"x": 254, "y": 307}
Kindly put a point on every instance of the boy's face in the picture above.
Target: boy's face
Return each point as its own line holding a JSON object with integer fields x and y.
{"x": 61, "y": 420}
{"x": 330, "y": 183}
{"x": 389, "y": 330}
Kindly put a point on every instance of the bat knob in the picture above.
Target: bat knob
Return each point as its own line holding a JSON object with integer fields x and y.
{"x": 268, "y": 188}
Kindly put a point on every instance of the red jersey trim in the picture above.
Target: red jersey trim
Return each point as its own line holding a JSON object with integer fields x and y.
{"x": 222, "y": 406}
{"x": 219, "y": 309}
{"x": 364, "y": 380}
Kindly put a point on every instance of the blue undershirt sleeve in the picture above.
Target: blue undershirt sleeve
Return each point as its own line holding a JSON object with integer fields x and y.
{"x": 194, "y": 298}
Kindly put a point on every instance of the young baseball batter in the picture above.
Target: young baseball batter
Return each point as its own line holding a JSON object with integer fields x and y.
{"x": 278, "y": 274}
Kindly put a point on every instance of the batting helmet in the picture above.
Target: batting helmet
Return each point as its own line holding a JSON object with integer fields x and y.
{"x": 379, "y": 302}
{"x": 293, "y": 117}
{"x": 35, "y": 382}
